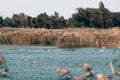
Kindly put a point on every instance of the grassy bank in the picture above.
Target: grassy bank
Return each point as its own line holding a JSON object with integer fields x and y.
{"x": 71, "y": 37}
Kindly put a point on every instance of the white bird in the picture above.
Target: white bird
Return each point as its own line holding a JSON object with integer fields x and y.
{"x": 35, "y": 62}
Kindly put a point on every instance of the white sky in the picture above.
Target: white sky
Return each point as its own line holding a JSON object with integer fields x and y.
{"x": 64, "y": 7}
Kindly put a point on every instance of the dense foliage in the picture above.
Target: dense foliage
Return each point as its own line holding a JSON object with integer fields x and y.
{"x": 89, "y": 17}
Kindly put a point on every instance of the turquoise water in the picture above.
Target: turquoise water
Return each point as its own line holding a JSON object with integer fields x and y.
{"x": 40, "y": 62}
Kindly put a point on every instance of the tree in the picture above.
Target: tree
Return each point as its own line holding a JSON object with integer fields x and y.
{"x": 41, "y": 20}
{"x": 101, "y": 5}
{"x": 29, "y": 21}
{"x": 1, "y": 21}
{"x": 115, "y": 18}
{"x": 16, "y": 21}
{"x": 56, "y": 14}
{"x": 7, "y": 22}
{"x": 91, "y": 17}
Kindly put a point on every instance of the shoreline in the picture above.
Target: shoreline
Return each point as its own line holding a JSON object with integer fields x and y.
{"x": 70, "y": 37}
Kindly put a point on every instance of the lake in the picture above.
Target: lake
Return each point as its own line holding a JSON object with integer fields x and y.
{"x": 40, "y": 62}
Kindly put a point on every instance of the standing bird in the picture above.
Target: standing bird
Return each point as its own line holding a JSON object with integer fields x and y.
{"x": 3, "y": 65}
{"x": 88, "y": 73}
{"x": 64, "y": 74}
{"x": 87, "y": 67}
{"x": 1, "y": 60}
{"x": 101, "y": 77}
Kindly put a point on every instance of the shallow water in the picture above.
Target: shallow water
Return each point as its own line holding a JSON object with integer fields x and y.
{"x": 40, "y": 62}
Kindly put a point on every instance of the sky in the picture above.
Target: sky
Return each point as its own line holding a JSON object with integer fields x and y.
{"x": 65, "y": 8}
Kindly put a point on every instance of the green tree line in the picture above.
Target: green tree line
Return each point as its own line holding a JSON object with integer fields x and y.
{"x": 89, "y": 17}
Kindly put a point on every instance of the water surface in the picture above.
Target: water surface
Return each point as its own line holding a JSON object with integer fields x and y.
{"x": 40, "y": 62}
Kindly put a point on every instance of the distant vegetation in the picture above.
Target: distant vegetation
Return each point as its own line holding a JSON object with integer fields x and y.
{"x": 89, "y": 17}
{"x": 88, "y": 27}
